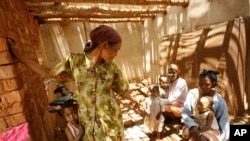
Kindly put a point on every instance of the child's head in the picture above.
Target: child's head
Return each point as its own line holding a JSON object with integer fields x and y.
{"x": 70, "y": 111}
{"x": 145, "y": 82}
{"x": 153, "y": 90}
{"x": 163, "y": 81}
{"x": 205, "y": 104}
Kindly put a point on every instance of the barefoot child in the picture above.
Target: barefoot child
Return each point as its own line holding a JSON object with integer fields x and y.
{"x": 153, "y": 108}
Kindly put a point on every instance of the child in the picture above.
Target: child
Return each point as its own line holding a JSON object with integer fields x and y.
{"x": 205, "y": 117}
{"x": 74, "y": 131}
{"x": 163, "y": 86}
{"x": 153, "y": 109}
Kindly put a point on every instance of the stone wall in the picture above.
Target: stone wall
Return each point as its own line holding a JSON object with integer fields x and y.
{"x": 22, "y": 95}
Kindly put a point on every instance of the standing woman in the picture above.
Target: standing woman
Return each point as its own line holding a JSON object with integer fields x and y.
{"x": 97, "y": 80}
{"x": 207, "y": 81}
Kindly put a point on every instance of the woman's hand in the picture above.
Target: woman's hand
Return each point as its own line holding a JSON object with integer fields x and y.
{"x": 15, "y": 52}
{"x": 158, "y": 116}
{"x": 35, "y": 66}
{"x": 145, "y": 114}
{"x": 194, "y": 133}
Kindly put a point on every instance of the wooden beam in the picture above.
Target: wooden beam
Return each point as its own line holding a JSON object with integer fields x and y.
{"x": 92, "y": 20}
{"x": 110, "y": 10}
{"x": 96, "y": 12}
{"x": 96, "y": 15}
{"x": 130, "y": 2}
{"x": 71, "y": 7}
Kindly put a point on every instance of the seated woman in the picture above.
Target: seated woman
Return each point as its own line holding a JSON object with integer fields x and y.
{"x": 203, "y": 114}
{"x": 207, "y": 81}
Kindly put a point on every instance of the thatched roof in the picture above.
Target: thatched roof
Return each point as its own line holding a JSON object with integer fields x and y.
{"x": 47, "y": 11}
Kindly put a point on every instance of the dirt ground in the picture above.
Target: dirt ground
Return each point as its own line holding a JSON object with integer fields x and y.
{"x": 136, "y": 132}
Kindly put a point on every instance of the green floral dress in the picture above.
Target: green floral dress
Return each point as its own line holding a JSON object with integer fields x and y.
{"x": 99, "y": 111}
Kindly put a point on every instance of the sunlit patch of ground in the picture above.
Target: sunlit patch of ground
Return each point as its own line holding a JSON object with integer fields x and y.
{"x": 245, "y": 119}
{"x": 137, "y": 132}
{"x": 171, "y": 132}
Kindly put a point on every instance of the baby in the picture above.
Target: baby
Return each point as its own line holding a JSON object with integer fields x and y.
{"x": 204, "y": 116}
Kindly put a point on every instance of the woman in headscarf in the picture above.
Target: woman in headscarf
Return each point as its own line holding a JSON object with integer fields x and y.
{"x": 98, "y": 80}
{"x": 207, "y": 82}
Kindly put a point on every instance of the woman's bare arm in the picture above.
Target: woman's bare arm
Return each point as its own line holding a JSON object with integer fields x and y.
{"x": 127, "y": 95}
{"x": 40, "y": 69}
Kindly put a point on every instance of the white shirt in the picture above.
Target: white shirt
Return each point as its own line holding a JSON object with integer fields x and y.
{"x": 177, "y": 92}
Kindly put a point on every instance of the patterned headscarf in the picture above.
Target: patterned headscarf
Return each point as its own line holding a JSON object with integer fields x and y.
{"x": 211, "y": 74}
{"x": 100, "y": 34}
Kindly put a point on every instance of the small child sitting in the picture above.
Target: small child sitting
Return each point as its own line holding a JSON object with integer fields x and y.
{"x": 204, "y": 116}
{"x": 74, "y": 131}
{"x": 153, "y": 108}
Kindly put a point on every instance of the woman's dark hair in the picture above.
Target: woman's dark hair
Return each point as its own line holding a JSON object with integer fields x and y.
{"x": 112, "y": 43}
{"x": 89, "y": 46}
{"x": 211, "y": 74}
